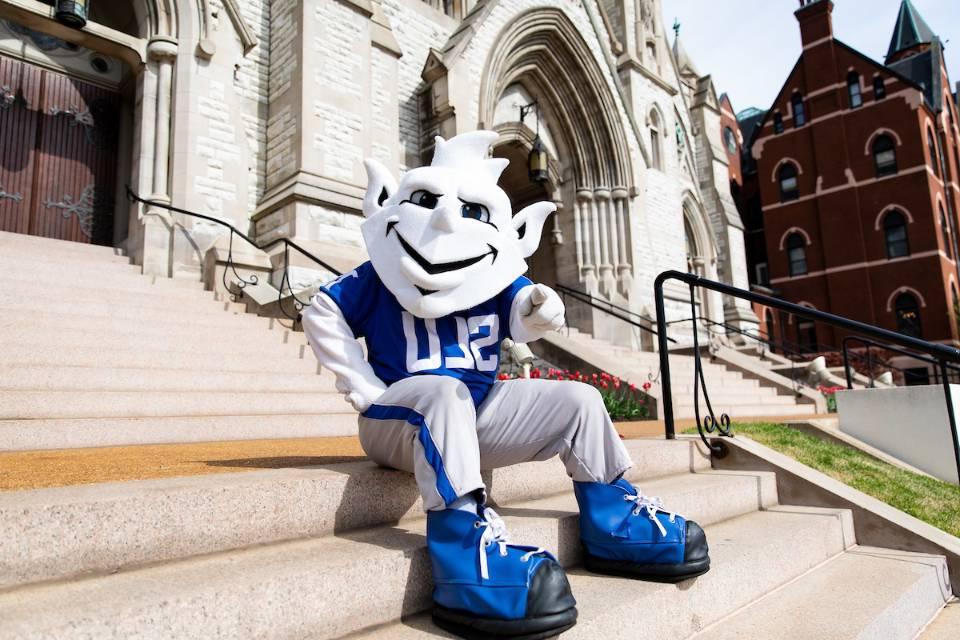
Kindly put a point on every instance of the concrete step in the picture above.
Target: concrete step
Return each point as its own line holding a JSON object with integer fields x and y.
{"x": 27, "y": 255}
{"x": 35, "y": 405}
{"x": 311, "y": 587}
{"x": 66, "y": 378}
{"x": 56, "y": 289}
{"x": 185, "y": 301}
{"x": 740, "y": 552}
{"x": 116, "y": 525}
{"x": 210, "y": 313}
{"x": 12, "y": 241}
{"x": 75, "y": 433}
{"x": 865, "y": 592}
{"x": 946, "y": 626}
{"x": 254, "y": 358}
{"x": 204, "y": 339}
{"x": 54, "y": 273}
{"x": 248, "y": 329}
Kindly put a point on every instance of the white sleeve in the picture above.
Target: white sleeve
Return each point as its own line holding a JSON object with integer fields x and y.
{"x": 336, "y": 349}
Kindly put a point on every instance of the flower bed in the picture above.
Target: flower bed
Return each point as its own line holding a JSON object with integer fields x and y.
{"x": 624, "y": 401}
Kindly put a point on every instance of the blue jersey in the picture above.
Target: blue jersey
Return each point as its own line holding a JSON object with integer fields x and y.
{"x": 464, "y": 345}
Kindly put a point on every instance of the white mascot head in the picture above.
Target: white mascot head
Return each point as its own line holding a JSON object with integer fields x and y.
{"x": 444, "y": 240}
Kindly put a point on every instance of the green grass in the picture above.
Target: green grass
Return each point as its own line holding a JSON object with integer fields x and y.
{"x": 928, "y": 499}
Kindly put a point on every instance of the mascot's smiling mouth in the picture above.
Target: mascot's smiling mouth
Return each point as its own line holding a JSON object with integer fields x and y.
{"x": 443, "y": 267}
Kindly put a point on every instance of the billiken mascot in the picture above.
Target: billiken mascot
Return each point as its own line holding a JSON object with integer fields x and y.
{"x": 443, "y": 287}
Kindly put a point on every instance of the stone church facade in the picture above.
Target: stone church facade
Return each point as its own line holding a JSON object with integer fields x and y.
{"x": 260, "y": 114}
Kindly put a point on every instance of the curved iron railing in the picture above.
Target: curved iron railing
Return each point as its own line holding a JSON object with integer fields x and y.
{"x": 241, "y": 283}
{"x": 943, "y": 354}
{"x": 943, "y": 369}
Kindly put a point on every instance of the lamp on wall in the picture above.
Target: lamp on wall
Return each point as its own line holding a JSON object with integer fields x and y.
{"x": 72, "y": 13}
{"x": 538, "y": 159}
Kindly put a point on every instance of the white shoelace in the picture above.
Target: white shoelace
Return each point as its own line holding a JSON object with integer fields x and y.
{"x": 495, "y": 532}
{"x": 651, "y": 505}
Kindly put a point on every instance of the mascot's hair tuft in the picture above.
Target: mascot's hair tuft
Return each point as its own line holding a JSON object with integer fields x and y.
{"x": 468, "y": 151}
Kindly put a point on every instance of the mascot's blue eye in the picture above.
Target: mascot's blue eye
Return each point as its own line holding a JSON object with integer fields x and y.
{"x": 475, "y": 211}
{"x": 425, "y": 199}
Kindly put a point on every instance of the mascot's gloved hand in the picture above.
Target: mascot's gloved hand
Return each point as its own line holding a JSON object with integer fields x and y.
{"x": 362, "y": 395}
{"x": 542, "y": 311}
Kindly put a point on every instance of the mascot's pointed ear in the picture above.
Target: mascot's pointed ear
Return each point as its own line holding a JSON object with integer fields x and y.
{"x": 380, "y": 186}
{"x": 529, "y": 225}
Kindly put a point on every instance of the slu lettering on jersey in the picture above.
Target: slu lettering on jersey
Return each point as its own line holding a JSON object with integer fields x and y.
{"x": 58, "y": 154}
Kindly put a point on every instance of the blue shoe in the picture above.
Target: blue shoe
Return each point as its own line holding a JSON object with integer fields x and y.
{"x": 627, "y": 534}
{"x": 485, "y": 587}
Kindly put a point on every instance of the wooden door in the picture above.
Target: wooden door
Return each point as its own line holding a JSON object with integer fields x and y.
{"x": 62, "y": 157}
{"x": 19, "y": 100}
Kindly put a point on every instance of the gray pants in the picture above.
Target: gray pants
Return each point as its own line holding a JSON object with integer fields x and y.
{"x": 428, "y": 425}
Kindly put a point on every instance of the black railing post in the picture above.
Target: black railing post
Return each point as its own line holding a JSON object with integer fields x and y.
{"x": 846, "y": 363}
{"x": 666, "y": 390}
{"x": 951, "y": 415}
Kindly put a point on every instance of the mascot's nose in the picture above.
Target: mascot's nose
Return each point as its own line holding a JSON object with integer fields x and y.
{"x": 443, "y": 219}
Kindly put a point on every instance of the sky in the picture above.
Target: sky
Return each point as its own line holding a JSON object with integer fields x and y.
{"x": 749, "y": 46}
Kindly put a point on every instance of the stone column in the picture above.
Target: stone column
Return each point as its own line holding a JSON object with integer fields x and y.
{"x": 624, "y": 263}
{"x": 157, "y": 223}
{"x": 588, "y": 252}
{"x": 607, "y": 232}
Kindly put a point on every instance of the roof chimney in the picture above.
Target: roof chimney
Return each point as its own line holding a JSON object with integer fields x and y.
{"x": 816, "y": 22}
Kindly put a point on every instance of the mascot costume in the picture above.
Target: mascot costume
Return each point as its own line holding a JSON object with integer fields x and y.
{"x": 443, "y": 287}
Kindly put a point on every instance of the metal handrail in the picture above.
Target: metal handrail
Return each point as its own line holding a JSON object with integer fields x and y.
{"x": 943, "y": 354}
{"x": 241, "y": 282}
{"x": 607, "y": 307}
{"x": 890, "y": 347}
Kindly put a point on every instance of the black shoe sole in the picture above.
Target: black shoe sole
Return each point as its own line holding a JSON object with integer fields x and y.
{"x": 669, "y": 573}
{"x": 470, "y": 627}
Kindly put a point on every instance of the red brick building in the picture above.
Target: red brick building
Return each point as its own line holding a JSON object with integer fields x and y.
{"x": 856, "y": 166}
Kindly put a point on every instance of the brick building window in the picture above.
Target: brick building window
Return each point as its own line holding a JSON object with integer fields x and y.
{"x": 806, "y": 336}
{"x": 777, "y": 123}
{"x": 879, "y": 89}
{"x": 932, "y": 146}
{"x": 853, "y": 89}
{"x": 787, "y": 178}
{"x": 884, "y": 156}
{"x": 799, "y": 111}
{"x": 945, "y": 233}
{"x": 797, "y": 254}
{"x": 908, "y": 315}
{"x": 895, "y": 232}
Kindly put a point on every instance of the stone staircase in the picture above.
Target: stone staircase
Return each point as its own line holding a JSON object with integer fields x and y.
{"x": 338, "y": 550}
{"x": 733, "y": 391}
{"x": 92, "y": 354}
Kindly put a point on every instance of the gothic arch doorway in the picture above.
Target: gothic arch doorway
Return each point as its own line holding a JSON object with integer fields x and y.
{"x": 522, "y": 192}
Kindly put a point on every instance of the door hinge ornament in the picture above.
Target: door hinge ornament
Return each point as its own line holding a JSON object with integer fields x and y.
{"x": 16, "y": 197}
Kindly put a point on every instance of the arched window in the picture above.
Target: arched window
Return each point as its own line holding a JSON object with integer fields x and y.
{"x": 879, "y": 88}
{"x": 932, "y": 146}
{"x": 853, "y": 89}
{"x": 908, "y": 315}
{"x": 895, "y": 232}
{"x": 945, "y": 234}
{"x": 799, "y": 112}
{"x": 656, "y": 155}
{"x": 787, "y": 178}
{"x": 797, "y": 254}
{"x": 884, "y": 156}
{"x": 777, "y": 123}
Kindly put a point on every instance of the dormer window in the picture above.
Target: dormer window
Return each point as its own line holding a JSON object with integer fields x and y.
{"x": 879, "y": 88}
{"x": 853, "y": 89}
{"x": 799, "y": 112}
